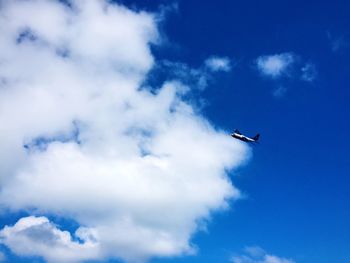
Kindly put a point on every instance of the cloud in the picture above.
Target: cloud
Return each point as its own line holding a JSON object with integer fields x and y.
{"x": 198, "y": 78}
{"x": 275, "y": 66}
{"x": 2, "y": 257}
{"x": 309, "y": 72}
{"x": 336, "y": 42}
{"x": 258, "y": 255}
{"x": 285, "y": 65}
{"x": 218, "y": 64}
{"x": 280, "y": 92}
{"x": 194, "y": 77}
{"x": 36, "y": 236}
{"x": 135, "y": 167}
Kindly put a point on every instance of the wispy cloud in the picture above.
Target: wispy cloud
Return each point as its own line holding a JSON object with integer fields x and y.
{"x": 258, "y": 255}
{"x": 275, "y": 66}
{"x": 218, "y": 63}
{"x": 283, "y": 68}
{"x": 336, "y": 42}
{"x": 308, "y": 72}
{"x": 280, "y": 92}
{"x": 196, "y": 77}
{"x": 82, "y": 139}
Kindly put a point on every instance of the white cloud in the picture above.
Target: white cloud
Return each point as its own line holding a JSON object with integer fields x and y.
{"x": 285, "y": 64}
{"x": 36, "y": 236}
{"x": 218, "y": 64}
{"x": 81, "y": 140}
{"x": 258, "y": 255}
{"x": 275, "y": 66}
{"x": 199, "y": 77}
{"x": 309, "y": 72}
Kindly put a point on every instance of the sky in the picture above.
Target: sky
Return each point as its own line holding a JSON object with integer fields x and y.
{"x": 115, "y": 138}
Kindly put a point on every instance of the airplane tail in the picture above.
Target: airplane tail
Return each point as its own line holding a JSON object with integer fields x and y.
{"x": 256, "y": 137}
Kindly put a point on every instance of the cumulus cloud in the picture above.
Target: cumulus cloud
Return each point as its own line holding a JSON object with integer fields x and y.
{"x": 36, "y": 236}
{"x": 275, "y": 66}
{"x": 258, "y": 255}
{"x": 82, "y": 139}
{"x": 218, "y": 63}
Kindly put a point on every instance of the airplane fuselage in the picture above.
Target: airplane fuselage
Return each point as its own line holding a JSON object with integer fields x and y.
{"x": 242, "y": 137}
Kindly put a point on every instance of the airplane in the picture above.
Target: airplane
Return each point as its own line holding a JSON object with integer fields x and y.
{"x": 237, "y": 135}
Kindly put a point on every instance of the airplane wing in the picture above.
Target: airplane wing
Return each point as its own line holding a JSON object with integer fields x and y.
{"x": 237, "y": 131}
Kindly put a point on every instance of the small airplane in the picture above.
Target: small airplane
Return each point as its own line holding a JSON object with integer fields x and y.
{"x": 237, "y": 135}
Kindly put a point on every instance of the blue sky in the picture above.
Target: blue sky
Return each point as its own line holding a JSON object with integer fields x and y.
{"x": 295, "y": 186}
